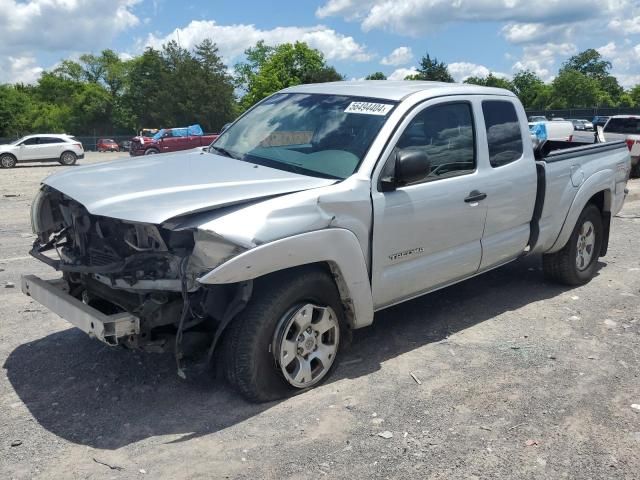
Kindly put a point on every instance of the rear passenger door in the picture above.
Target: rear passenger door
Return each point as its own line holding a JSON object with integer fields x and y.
{"x": 52, "y": 147}
{"x": 511, "y": 181}
{"x": 428, "y": 234}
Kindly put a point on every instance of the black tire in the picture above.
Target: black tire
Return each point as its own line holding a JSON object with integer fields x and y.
{"x": 68, "y": 159}
{"x": 635, "y": 171}
{"x": 151, "y": 151}
{"x": 562, "y": 266}
{"x": 248, "y": 352}
{"x": 7, "y": 160}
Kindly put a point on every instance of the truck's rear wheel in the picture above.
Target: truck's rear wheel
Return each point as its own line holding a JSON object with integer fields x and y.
{"x": 576, "y": 263}
{"x": 288, "y": 337}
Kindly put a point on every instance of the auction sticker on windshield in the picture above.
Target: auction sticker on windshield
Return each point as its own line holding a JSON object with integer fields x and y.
{"x": 369, "y": 108}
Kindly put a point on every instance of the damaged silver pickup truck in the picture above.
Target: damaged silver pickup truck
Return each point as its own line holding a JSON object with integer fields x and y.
{"x": 319, "y": 206}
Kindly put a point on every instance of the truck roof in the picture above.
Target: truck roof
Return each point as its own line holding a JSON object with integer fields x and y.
{"x": 395, "y": 89}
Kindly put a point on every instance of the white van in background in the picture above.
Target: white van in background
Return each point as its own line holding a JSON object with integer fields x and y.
{"x": 560, "y": 130}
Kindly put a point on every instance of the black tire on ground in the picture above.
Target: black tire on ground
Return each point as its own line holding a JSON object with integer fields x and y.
{"x": 562, "y": 266}
{"x": 151, "y": 151}
{"x": 7, "y": 160}
{"x": 250, "y": 343}
{"x": 635, "y": 171}
{"x": 68, "y": 158}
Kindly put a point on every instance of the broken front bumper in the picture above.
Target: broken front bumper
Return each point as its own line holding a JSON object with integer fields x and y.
{"x": 106, "y": 328}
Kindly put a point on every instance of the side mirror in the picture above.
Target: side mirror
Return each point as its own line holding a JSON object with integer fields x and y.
{"x": 411, "y": 165}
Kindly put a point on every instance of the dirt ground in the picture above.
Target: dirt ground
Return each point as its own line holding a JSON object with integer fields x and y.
{"x": 518, "y": 379}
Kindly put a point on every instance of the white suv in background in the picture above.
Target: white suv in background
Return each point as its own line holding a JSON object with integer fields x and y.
{"x": 38, "y": 148}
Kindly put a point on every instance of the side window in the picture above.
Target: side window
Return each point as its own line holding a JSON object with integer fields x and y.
{"x": 503, "y": 132}
{"x": 51, "y": 140}
{"x": 446, "y": 134}
{"x": 32, "y": 141}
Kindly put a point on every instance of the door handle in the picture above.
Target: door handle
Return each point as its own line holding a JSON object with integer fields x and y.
{"x": 475, "y": 196}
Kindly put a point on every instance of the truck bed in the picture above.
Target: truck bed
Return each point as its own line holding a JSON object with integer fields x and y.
{"x": 564, "y": 168}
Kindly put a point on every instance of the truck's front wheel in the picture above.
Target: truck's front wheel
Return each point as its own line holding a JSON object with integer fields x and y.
{"x": 288, "y": 337}
{"x": 576, "y": 263}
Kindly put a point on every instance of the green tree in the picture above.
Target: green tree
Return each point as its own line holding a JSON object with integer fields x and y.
{"x": 530, "y": 89}
{"x": 634, "y": 93}
{"x": 269, "y": 69}
{"x": 376, "y": 76}
{"x": 591, "y": 64}
{"x": 491, "y": 81}
{"x": 433, "y": 70}
{"x": 16, "y": 107}
{"x": 573, "y": 89}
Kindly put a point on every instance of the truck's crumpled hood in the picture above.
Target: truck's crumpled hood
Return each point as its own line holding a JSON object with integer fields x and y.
{"x": 155, "y": 188}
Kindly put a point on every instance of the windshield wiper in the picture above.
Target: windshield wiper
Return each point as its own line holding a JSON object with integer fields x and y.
{"x": 224, "y": 152}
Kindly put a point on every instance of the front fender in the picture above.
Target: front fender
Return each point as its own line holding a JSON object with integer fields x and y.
{"x": 336, "y": 246}
{"x": 601, "y": 181}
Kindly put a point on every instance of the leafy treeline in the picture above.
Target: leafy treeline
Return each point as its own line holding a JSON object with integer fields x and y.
{"x": 584, "y": 80}
{"x": 172, "y": 86}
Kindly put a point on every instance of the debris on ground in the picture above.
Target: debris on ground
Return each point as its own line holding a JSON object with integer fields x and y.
{"x": 111, "y": 467}
{"x": 636, "y": 407}
{"x": 386, "y": 434}
{"x": 16, "y": 443}
{"x": 11, "y": 195}
{"x": 416, "y": 379}
{"x": 9, "y": 285}
{"x": 532, "y": 443}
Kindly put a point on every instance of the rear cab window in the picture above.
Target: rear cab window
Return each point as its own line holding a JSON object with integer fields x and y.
{"x": 628, "y": 126}
{"x": 504, "y": 136}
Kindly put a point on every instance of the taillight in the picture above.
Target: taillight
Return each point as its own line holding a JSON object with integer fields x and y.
{"x": 630, "y": 143}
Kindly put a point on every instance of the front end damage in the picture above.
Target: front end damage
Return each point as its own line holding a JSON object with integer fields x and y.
{"x": 137, "y": 271}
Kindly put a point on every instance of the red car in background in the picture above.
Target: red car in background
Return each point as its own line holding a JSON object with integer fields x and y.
{"x": 171, "y": 140}
{"x": 107, "y": 145}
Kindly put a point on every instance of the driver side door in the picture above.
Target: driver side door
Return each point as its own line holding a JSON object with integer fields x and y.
{"x": 428, "y": 234}
{"x": 30, "y": 149}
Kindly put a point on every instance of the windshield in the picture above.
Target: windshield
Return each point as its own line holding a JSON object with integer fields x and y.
{"x": 630, "y": 126}
{"x": 317, "y": 135}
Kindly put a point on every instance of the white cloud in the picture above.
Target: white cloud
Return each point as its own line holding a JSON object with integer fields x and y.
{"x": 541, "y": 59}
{"x": 624, "y": 60}
{"x": 63, "y": 24}
{"x": 460, "y": 71}
{"x": 402, "y": 73}
{"x": 19, "y": 70}
{"x": 233, "y": 40}
{"x": 416, "y": 17}
{"x": 628, "y": 26}
{"x": 519, "y": 33}
{"x": 400, "y": 56}
{"x": 36, "y": 26}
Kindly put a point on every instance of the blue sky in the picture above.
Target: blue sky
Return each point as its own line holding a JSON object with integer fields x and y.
{"x": 358, "y": 37}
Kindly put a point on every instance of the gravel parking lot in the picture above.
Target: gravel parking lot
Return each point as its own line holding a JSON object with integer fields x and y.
{"x": 502, "y": 376}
